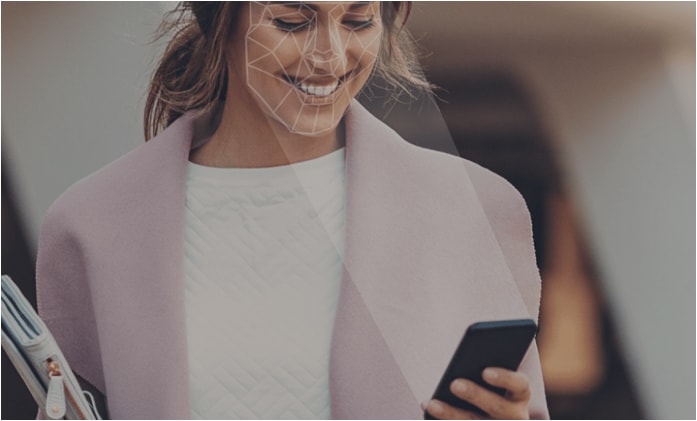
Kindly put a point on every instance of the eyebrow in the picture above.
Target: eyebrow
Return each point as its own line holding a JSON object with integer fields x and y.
{"x": 358, "y": 5}
{"x": 294, "y": 4}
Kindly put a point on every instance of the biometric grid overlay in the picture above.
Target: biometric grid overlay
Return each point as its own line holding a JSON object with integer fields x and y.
{"x": 320, "y": 60}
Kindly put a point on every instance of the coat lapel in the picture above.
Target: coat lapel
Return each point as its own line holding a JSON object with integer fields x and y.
{"x": 413, "y": 282}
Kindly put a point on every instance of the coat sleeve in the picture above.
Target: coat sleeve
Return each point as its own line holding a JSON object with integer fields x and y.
{"x": 63, "y": 293}
{"x": 510, "y": 221}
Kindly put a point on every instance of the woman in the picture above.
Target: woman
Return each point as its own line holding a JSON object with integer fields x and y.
{"x": 276, "y": 251}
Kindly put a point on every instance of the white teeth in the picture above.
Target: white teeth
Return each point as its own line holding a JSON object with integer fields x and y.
{"x": 318, "y": 90}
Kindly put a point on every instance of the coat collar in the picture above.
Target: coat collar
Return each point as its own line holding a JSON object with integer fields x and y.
{"x": 411, "y": 283}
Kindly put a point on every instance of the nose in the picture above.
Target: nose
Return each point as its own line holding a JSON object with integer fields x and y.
{"x": 328, "y": 50}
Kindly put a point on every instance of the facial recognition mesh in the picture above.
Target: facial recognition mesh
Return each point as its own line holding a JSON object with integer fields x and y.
{"x": 306, "y": 63}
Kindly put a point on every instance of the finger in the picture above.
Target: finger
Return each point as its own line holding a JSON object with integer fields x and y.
{"x": 516, "y": 383}
{"x": 490, "y": 402}
{"x": 443, "y": 411}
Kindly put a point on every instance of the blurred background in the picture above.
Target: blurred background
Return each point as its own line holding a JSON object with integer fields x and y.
{"x": 588, "y": 108}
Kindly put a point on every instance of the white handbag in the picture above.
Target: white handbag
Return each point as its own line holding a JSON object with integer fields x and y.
{"x": 36, "y": 356}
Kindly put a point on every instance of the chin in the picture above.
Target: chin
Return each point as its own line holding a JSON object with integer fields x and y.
{"x": 312, "y": 130}
{"x": 311, "y": 125}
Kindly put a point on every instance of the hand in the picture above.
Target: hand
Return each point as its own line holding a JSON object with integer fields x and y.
{"x": 512, "y": 406}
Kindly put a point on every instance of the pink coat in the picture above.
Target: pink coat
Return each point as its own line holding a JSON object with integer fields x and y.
{"x": 433, "y": 244}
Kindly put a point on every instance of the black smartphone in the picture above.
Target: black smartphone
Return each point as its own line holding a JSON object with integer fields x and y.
{"x": 485, "y": 344}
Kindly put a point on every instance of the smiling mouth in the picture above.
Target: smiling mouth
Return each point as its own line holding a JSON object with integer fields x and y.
{"x": 316, "y": 89}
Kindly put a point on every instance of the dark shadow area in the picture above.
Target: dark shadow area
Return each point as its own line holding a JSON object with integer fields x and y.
{"x": 18, "y": 262}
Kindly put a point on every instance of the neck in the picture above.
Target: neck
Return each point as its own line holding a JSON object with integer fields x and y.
{"x": 249, "y": 139}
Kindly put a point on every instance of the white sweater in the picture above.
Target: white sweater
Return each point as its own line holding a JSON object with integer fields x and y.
{"x": 263, "y": 259}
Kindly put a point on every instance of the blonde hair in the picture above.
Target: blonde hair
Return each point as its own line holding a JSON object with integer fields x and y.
{"x": 192, "y": 73}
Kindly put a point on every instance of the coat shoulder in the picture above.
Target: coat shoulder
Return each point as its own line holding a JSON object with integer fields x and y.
{"x": 136, "y": 176}
{"x": 493, "y": 190}
{"x": 505, "y": 210}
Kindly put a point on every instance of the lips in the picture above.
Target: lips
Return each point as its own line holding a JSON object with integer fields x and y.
{"x": 319, "y": 89}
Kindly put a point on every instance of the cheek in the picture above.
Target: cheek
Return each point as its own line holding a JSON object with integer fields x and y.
{"x": 271, "y": 52}
{"x": 366, "y": 45}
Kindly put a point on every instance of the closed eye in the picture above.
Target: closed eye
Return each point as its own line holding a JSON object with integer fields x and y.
{"x": 291, "y": 26}
{"x": 359, "y": 24}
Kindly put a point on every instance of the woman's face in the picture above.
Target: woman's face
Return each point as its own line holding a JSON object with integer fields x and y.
{"x": 305, "y": 62}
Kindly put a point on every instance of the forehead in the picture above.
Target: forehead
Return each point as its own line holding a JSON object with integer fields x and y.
{"x": 322, "y": 7}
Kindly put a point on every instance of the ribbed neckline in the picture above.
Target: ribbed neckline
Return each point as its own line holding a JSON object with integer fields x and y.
{"x": 330, "y": 160}
{"x": 246, "y": 176}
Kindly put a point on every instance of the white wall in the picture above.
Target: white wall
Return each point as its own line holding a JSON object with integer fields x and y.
{"x": 73, "y": 83}
{"x": 628, "y": 140}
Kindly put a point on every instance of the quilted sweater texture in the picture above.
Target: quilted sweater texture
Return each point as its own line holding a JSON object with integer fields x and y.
{"x": 262, "y": 270}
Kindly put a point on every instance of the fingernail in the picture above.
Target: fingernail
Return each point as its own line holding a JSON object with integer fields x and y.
{"x": 424, "y": 404}
{"x": 460, "y": 386}
{"x": 491, "y": 374}
{"x": 435, "y": 407}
